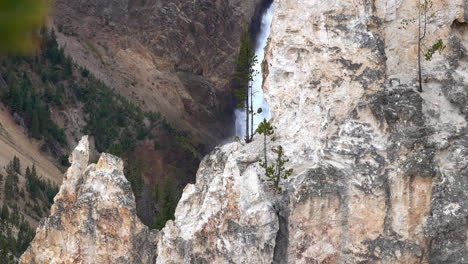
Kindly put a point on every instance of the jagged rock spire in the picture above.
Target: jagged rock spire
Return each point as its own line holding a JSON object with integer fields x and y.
{"x": 93, "y": 219}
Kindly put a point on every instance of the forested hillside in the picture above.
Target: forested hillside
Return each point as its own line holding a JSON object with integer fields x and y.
{"x": 26, "y": 198}
{"x": 56, "y": 102}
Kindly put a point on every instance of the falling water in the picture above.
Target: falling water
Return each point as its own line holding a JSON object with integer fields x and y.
{"x": 258, "y": 99}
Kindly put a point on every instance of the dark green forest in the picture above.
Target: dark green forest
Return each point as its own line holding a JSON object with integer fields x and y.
{"x": 37, "y": 195}
{"x": 33, "y": 87}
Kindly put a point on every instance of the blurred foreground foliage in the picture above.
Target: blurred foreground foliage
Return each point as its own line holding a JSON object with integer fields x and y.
{"x": 20, "y": 21}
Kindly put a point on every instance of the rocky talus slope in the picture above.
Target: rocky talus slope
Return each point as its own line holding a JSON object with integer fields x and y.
{"x": 380, "y": 170}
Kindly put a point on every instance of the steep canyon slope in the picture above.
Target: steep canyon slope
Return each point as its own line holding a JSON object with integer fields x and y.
{"x": 172, "y": 57}
{"x": 380, "y": 170}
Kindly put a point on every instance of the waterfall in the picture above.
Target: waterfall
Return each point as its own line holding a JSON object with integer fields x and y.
{"x": 258, "y": 99}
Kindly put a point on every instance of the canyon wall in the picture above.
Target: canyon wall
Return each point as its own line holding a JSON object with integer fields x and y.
{"x": 380, "y": 170}
{"x": 172, "y": 57}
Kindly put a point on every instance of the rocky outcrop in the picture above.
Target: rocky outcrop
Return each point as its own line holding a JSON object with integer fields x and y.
{"x": 93, "y": 219}
{"x": 227, "y": 216}
{"x": 380, "y": 170}
{"x": 380, "y": 174}
{"x": 174, "y": 57}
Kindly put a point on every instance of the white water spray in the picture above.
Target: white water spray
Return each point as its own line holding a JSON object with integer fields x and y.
{"x": 258, "y": 99}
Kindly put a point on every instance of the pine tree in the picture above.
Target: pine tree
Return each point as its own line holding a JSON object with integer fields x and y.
{"x": 425, "y": 14}
{"x": 244, "y": 76}
{"x": 35, "y": 126}
{"x": 14, "y": 98}
{"x": 11, "y": 181}
{"x": 33, "y": 182}
{"x": 33, "y": 171}
{"x": 52, "y": 51}
{"x": 68, "y": 69}
{"x": 29, "y": 182}
{"x": 17, "y": 165}
{"x": 25, "y": 236}
{"x": 277, "y": 172}
{"x": 265, "y": 129}
{"x": 58, "y": 95}
{"x": 5, "y": 213}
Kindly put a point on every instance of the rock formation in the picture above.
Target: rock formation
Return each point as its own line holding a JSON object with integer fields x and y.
{"x": 227, "y": 216}
{"x": 380, "y": 170}
{"x": 93, "y": 219}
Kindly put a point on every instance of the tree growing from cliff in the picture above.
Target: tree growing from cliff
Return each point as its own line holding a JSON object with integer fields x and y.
{"x": 265, "y": 129}
{"x": 425, "y": 15}
{"x": 277, "y": 171}
{"x": 244, "y": 77}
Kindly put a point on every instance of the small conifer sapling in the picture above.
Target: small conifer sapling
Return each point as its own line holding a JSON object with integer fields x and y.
{"x": 277, "y": 172}
{"x": 265, "y": 129}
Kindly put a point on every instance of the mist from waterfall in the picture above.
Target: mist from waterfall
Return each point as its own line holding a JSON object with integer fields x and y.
{"x": 258, "y": 99}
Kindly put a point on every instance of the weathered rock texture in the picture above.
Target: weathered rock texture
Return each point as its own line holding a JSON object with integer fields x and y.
{"x": 93, "y": 219}
{"x": 380, "y": 170}
{"x": 175, "y": 57}
{"x": 226, "y": 217}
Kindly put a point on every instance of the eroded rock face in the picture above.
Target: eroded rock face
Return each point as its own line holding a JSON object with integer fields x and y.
{"x": 227, "y": 216}
{"x": 379, "y": 176}
{"x": 93, "y": 219}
